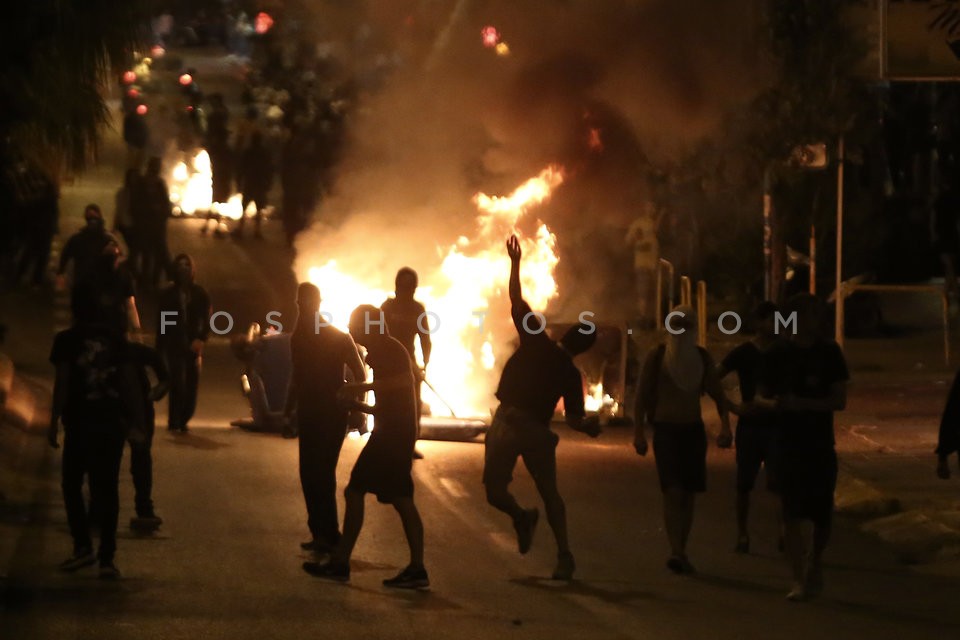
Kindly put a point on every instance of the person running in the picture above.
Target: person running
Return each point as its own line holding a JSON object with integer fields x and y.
{"x": 756, "y": 428}
{"x": 407, "y": 320}
{"x": 385, "y": 464}
{"x": 811, "y": 384}
{"x": 182, "y": 331}
{"x": 948, "y": 441}
{"x": 535, "y": 377}
{"x": 319, "y": 354}
{"x": 674, "y": 377}
{"x": 87, "y": 398}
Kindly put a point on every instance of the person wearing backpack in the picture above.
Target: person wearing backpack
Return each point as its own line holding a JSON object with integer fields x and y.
{"x": 674, "y": 377}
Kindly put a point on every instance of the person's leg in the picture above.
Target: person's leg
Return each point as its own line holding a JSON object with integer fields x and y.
{"x": 176, "y": 364}
{"x": 74, "y": 467}
{"x": 352, "y": 523}
{"x": 328, "y": 526}
{"x": 500, "y": 457}
{"x": 541, "y": 462}
{"x": 796, "y": 549}
{"x": 689, "y": 503}
{"x": 104, "y": 481}
{"x": 191, "y": 389}
{"x": 412, "y": 529}
{"x": 311, "y": 481}
{"x": 674, "y": 519}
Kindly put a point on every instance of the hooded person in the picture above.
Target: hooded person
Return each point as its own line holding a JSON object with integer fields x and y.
{"x": 112, "y": 284}
{"x": 84, "y": 248}
{"x": 183, "y": 327}
{"x": 675, "y": 375}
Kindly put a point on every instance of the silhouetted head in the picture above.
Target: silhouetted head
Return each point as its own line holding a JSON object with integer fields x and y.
{"x": 578, "y": 338}
{"x": 367, "y": 324}
{"x": 811, "y": 316}
{"x": 183, "y": 270}
{"x": 308, "y": 298}
{"x": 93, "y": 215}
{"x": 406, "y": 282}
{"x": 764, "y": 319}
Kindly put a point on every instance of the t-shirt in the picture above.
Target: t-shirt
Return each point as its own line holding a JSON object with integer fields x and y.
{"x": 395, "y": 420}
{"x": 95, "y": 357}
{"x": 539, "y": 373}
{"x": 318, "y": 360}
{"x": 750, "y": 365}
{"x": 808, "y": 372}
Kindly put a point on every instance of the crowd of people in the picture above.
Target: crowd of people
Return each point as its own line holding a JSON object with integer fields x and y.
{"x": 790, "y": 388}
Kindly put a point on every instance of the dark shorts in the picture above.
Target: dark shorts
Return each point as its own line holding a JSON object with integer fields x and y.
{"x": 515, "y": 434}
{"x": 756, "y": 447}
{"x": 807, "y": 481}
{"x": 381, "y": 471}
{"x": 680, "y": 451}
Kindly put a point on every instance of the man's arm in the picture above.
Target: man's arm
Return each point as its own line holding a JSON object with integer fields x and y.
{"x": 714, "y": 389}
{"x": 59, "y": 400}
{"x": 515, "y": 253}
{"x": 426, "y": 346}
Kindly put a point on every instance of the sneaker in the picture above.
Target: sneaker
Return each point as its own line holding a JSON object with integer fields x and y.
{"x": 565, "y": 567}
{"x": 525, "y": 525}
{"x": 798, "y": 593}
{"x": 409, "y": 578}
{"x": 146, "y": 523}
{"x": 109, "y": 571}
{"x": 329, "y": 570}
{"x": 79, "y": 560}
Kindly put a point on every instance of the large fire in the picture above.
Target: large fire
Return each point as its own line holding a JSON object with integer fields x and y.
{"x": 191, "y": 190}
{"x": 471, "y": 328}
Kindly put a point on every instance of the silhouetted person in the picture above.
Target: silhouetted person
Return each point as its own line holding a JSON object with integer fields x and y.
{"x": 155, "y": 204}
{"x": 87, "y": 397}
{"x": 254, "y": 178}
{"x": 112, "y": 285}
{"x": 136, "y": 133}
{"x": 674, "y": 377}
{"x": 298, "y": 182}
{"x": 384, "y": 466}
{"x": 36, "y": 211}
{"x": 182, "y": 329}
{"x": 217, "y": 143}
{"x": 811, "y": 384}
{"x": 948, "y": 441}
{"x": 534, "y": 379}
{"x": 756, "y": 426}
{"x": 128, "y": 222}
{"x": 84, "y": 248}
{"x": 320, "y": 355}
{"x": 406, "y": 321}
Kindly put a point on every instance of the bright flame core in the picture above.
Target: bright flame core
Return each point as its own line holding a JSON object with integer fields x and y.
{"x": 467, "y": 293}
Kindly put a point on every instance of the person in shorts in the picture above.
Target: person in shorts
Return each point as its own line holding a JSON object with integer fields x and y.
{"x": 534, "y": 379}
{"x": 756, "y": 427}
{"x": 385, "y": 464}
{"x": 674, "y": 377}
{"x": 810, "y": 383}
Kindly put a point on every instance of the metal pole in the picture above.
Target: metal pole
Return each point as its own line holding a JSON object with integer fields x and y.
{"x": 702, "y": 313}
{"x": 767, "y": 237}
{"x": 685, "y": 291}
{"x": 839, "y": 320}
{"x": 813, "y": 260}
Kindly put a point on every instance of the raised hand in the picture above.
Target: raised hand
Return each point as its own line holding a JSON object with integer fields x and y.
{"x": 513, "y": 248}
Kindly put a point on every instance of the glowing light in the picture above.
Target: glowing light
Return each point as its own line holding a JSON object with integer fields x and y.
{"x": 594, "y": 141}
{"x": 158, "y": 51}
{"x": 263, "y": 23}
{"x": 142, "y": 109}
{"x": 185, "y": 79}
{"x": 502, "y": 49}
{"x": 129, "y": 77}
{"x": 597, "y": 401}
{"x": 471, "y": 279}
{"x": 133, "y": 93}
{"x": 490, "y": 36}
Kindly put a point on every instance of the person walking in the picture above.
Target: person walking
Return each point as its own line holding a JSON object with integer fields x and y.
{"x": 83, "y": 250}
{"x": 155, "y": 205}
{"x": 756, "y": 434}
{"x": 254, "y": 179}
{"x": 811, "y": 385}
{"x": 87, "y": 398}
{"x": 319, "y": 356}
{"x": 534, "y": 379}
{"x": 674, "y": 377}
{"x": 385, "y": 464}
{"x": 407, "y": 321}
{"x": 182, "y": 331}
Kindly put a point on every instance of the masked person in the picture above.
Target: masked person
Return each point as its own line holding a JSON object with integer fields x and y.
{"x": 84, "y": 248}
{"x": 406, "y": 321}
{"x": 320, "y": 354}
{"x": 182, "y": 330}
{"x": 112, "y": 284}
{"x": 674, "y": 377}
{"x": 536, "y": 376}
